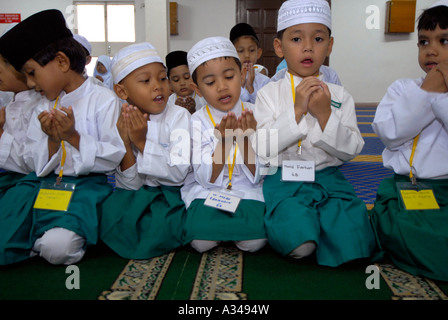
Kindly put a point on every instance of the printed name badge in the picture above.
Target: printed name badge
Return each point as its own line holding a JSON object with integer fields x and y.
{"x": 223, "y": 200}
{"x": 298, "y": 171}
{"x": 417, "y": 197}
{"x": 53, "y": 196}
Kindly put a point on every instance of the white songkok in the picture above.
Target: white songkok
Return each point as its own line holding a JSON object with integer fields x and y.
{"x": 132, "y": 57}
{"x": 84, "y": 42}
{"x": 208, "y": 49}
{"x": 439, "y": 3}
{"x": 293, "y": 12}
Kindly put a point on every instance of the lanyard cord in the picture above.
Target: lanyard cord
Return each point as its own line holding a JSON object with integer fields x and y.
{"x": 299, "y": 144}
{"x": 411, "y": 160}
{"x": 64, "y": 153}
{"x": 230, "y": 166}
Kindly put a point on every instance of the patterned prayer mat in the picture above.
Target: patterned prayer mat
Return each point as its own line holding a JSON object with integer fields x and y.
{"x": 405, "y": 286}
{"x": 139, "y": 280}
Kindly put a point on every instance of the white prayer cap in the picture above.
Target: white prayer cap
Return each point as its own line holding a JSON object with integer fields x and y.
{"x": 84, "y": 42}
{"x": 132, "y": 57}
{"x": 208, "y": 49}
{"x": 294, "y": 12}
{"x": 439, "y": 3}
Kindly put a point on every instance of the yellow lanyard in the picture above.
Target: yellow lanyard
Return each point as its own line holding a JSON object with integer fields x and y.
{"x": 64, "y": 154}
{"x": 411, "y": 160}
{"x": 230, "y": 166}
{"x": 299, "y": 145}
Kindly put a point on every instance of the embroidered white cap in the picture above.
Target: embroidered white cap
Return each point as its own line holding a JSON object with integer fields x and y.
{"x": 132, "y": 57}
{"x": 294, "y": 12}
{"x": 84, "y": 42}
{"x": 210, "y": 48}
{"x": 439, "y": 3}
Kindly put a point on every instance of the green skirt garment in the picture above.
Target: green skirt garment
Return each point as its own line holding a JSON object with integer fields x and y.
{"x": 144, "y": 223}
{"x": 326, "y": 211}
{"x": 207, "y": 223}
{"x": 415, "y": 240}
{"x": 21, "y": 225}
{"x": 8, "y": 179}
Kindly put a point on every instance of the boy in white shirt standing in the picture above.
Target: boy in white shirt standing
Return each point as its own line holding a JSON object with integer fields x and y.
{"x": 313, "y": 127}
{"x": 412, "y": 121}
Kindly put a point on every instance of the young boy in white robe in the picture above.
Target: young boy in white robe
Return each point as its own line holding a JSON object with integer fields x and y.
{"x": 181, "y": 83}
{"x": 143, "y": 217}
{"x": 224, "y": 163}
{"x": 72, "y": 142}
{"x": 249, "y": 51}
{"x": 14, "y": 120}
{"x": 312, "y": 128}
{"x": 412, "y": 121}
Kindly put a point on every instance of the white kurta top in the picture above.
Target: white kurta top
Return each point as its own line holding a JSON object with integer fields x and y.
{"x": 405, "y": 112}
{"x": 101, "y": 149}
{"x": 12, "y": 142}
{"x": 166, "y": 157}
{"x": 200, "y": 101}
{"x": 274, "y": 111}
{"x": 259, "y": 82}
{"x": 197, "y": 184}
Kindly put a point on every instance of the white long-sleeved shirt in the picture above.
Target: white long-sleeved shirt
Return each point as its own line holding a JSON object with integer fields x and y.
{"x": 12, "y": 141}
{"x": 197, "y": 184}
{"x": 101, "y": 149}
{"x": 259, "y": 82}
{"x": 341, "y": 140}
{"x": 405, "y": 112}
{"x": 166, "y": 157}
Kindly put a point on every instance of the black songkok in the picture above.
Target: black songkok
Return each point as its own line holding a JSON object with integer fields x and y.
{"x": 242, "y": 29}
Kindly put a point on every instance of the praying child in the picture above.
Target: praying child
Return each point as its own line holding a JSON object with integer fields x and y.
{"x": 224, "y": 163}
{"x": 313, "y": 129}
{"x": 412, "y": 122}
{"x": 181, "y": 83}
{"x": 71, "y": 143}
{"x": 246, "y": 43}
{"x": 143, "y": 218}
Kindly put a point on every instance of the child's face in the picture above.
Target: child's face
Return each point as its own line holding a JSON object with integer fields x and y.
{"x": 48, "y": 80}
{"x": 10, "y": 78}
{"x": 146, "y": 88}
{"x": 247, "y": 49}
{"x": 219, "y": 82}
{"x": 180, "y": 81}
{"x": 432, "y": 48}
{"x": 305, "y": 47}
{"x": 101, "y": 68}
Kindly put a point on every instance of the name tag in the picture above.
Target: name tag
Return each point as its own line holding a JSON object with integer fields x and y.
{"x": 54, "y": 196}
{"x": 417, "y": 197}
{"x": 298, "y": 171}
{"x": 223, "y": 200}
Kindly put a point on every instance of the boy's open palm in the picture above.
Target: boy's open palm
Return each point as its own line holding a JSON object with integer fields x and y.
{"x": 2, "y": 117}
{"x": 320, "y": 104}
{"x": 225, "y": 129}
{"x": 137, "y": 124}
{"x": 303, "y": 94}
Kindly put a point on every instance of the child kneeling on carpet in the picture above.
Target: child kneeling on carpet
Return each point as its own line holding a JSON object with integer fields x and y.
{"x": 71, "y": 143}
{"x": 315, "y": 208}
{"x": 412, "y": 122}
{"x": 224, "y": 164}
{"x": 143, "y": 217}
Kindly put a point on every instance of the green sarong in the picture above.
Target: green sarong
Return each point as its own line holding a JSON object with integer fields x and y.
{"x": 21, "y": 225}
{"x": 9, "y": 179}
{"x": 327, "y": 212}
{"x": 207, "y": 223}
{"x": 144, "y": 223}
{"x": 415, "y": 240}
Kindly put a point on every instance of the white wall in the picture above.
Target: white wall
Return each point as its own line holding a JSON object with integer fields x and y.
{"x": 368, "y": 61}
{"x": 199, "y": 19}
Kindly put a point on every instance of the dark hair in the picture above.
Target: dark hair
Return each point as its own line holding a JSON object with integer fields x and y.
{"x": 195, "y": 77}
{"x": 433, "y": 17}
{"x": 281, "y": 32}
{"x": 68, "y": 45}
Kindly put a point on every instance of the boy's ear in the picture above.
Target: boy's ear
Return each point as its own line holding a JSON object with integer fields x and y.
{"x": 121, "y": 91}
{"x": 63, "y": 61}
{"x": 259, "y": 53}
{"x": 196, "y": 89}
{"x": 278, "y": 47}
{"x": 330, "y": 46}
